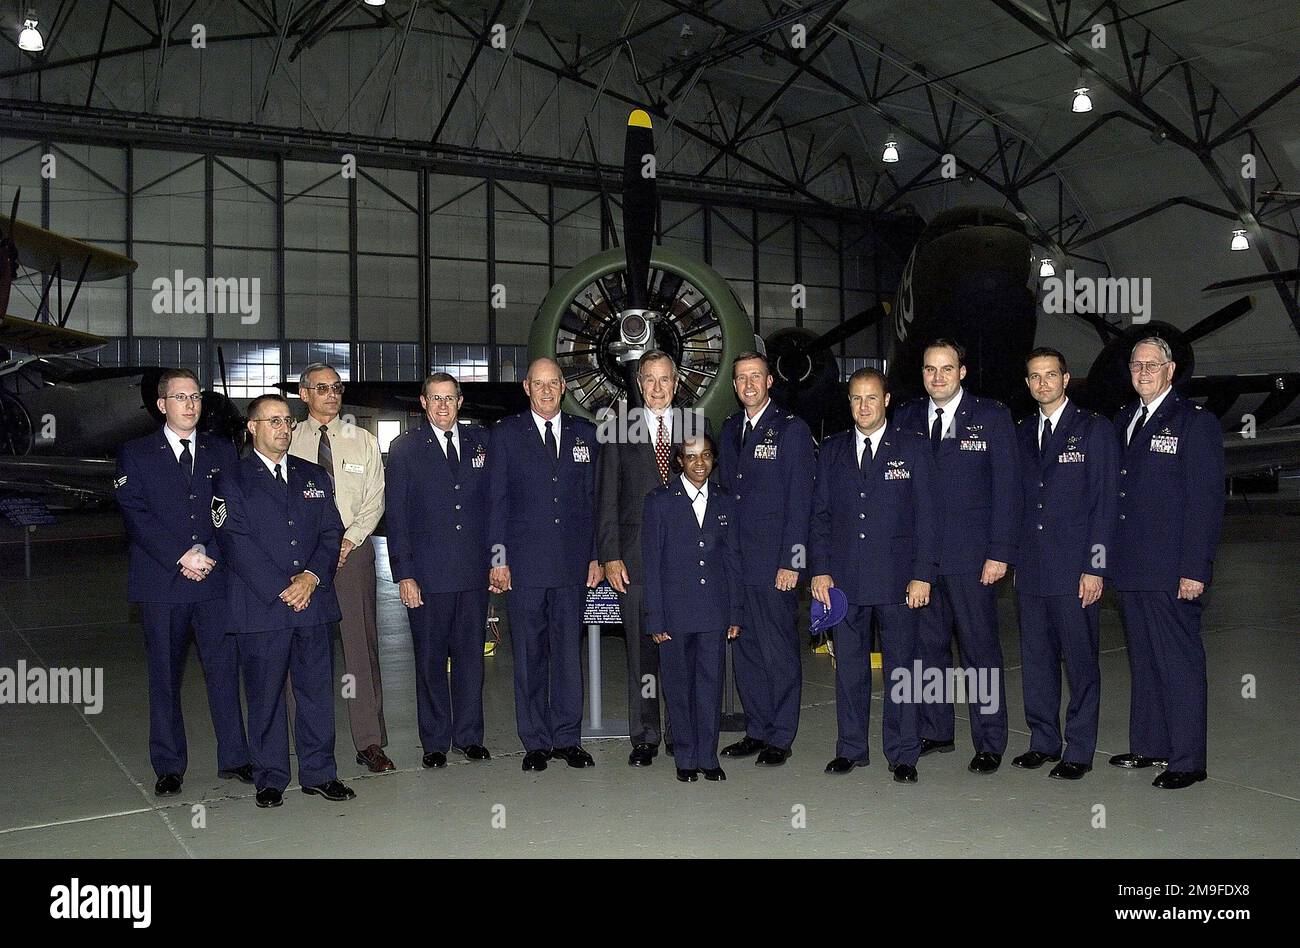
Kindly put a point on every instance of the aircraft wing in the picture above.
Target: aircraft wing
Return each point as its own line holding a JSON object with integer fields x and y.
{"x": 23, "y": 335}
{"x": 76, "y": 479}
{"x": 1275, "y": 449}
{"x": 44, "y": 251}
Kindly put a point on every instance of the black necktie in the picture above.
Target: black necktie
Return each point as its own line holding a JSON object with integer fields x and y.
{"x": 280, "y": 482}
{"x": 186, "y": 460}
{"x": 749, "y": 430}
{"x": 864, "y": 460}
{"x": 552, "y": 446}
{"x": 1047, "y": 434}
{"x": 936, "y": 430}
{"x": 325, "y": 454}
{"x": 452, "y": 457}
{"x": 1142, "y": 420}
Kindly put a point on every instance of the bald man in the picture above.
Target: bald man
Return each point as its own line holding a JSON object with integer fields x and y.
{"x": 542, "y": 539}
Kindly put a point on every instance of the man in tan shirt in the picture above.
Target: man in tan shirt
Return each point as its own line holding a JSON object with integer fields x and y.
{"x": 351, "y": 455}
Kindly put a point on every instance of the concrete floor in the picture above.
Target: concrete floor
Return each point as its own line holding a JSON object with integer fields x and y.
{"x": 79, "y": 785}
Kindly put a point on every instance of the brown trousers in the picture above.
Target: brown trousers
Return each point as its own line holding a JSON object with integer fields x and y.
{"x": 354, "y": 585}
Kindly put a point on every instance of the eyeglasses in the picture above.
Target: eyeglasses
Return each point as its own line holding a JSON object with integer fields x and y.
{"x": 447, "y": 400}
{"x": 279, "y": 421}
{"x": 323, "y": 389}
{"x": 1150, "y": 367}
{"x": 180, "y": 399}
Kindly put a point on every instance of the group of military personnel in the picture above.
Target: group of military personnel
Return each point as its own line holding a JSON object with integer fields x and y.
{"x": 706, "y": 543}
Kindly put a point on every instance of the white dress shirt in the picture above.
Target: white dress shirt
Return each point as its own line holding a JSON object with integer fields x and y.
{"x": 175, "y": 441}
{"x": 699, "y": 498}
{"x": 1054, "y": 418}
{"x": 949, "y": 413}
{"x": 861, "y": 441}
{"x": 758, "y": 415}
{"x": 540, "y": 422}
{"x": 1152, "y": 408}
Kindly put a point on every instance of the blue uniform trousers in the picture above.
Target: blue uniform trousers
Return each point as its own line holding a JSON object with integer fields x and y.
{"x": 167, "y": 638}
{"x": 898, "y": 645}
{"x": 1167, "y": 665}
{"x": 691, "y": 666}
{"x": 960, "y": 602}
{"x": 766, "y": 656}
{"x": 546, "y": 637}
{"x": 1052, "y": 629}
{"x": 449, "y": 625}
{"x": 267, "y": 658}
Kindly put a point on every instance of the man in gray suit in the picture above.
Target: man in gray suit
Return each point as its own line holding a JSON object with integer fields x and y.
{"x": 634, "y": 455}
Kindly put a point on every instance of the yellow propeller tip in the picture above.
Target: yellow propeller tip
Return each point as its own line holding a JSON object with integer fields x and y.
{"x": 639, "y": 118}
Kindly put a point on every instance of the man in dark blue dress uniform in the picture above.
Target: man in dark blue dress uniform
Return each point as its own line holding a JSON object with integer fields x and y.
{"x": 278, "y": 525}
{"x": 1067, "y": 470}
{"x": 1171, "y": 496}
{"x": 542, "y": 542}
{"x": 436, "y": 492}
{"x": 977, "y": 456}
{"x": 766, "y": 463}
{"x": 164, "y": 488}
{"x": 875, "y": 535}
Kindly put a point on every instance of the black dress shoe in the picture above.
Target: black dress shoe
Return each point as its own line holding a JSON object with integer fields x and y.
{"x": 168, "y": 785}
{"x": 1069, "y": 770}
{"x": 773, "y": 756}
{"x": 904, "y": 773}
{"x": 574, "y": 756}
{"x": 436, "y": 759}
{"x": 714, "y": 773}
{"x": 1178, "y": 779}
{"x": 335, "y": 790}
{"x": 687, "y": 776}
{"x": 668, "y": 748}
{"x": 536, "y": 760}
{"x": 744, "y": 747}
{"x": 474, "y": 752}
{"x": 243, "y": 774}
{"x": 936, "y": 747}
{"x": 842, "y": 765}
{"x": 269, "y": 796}
{"x": 643, "y": 755}
{"x": 1137, "y": 761}
{"x": 1032, "y": 760}
{"x": 985, "y": 762}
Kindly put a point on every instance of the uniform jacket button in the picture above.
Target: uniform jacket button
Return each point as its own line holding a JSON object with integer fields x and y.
{"x": 457, "y": 526}
{"x": 701, "y": 562}
{"x": 296, "y": 563}
{"x": 1123, "y": 470}
{"x": 701, "y": 580}
{"x": 1121, "y": 516}
{"x": 701, "y": 543}
{"x": 457, "y": 487}
{"x": 195, "y": 537}
{"x": 861, "y": 494}
{"x": 557, "y": 519}
{"x": 739, "y": 475}
{"x": 1040, "y": 526}
{"x": 293, "y": 542}
{"x": 1040, "y": 506}
{"x": 291, "y": 523}
{"x": 862, "y": 516}
{"x": 862, "y": 536}
{"x": 1121, "y": 493}
{"x": 458, "y": 506}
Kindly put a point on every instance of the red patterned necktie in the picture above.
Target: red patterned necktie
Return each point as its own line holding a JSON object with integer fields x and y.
{"x": 661, "y": 452}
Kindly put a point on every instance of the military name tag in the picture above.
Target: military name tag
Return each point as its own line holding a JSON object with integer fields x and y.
{"x": 351, "y": 468}
{"x": 218, "y": 511}
{"x": 974, "y": 445}
{"x": 1070, "y": 457}
{"x": 765, "y": 452}
{"x": 581, "y": 455}
{"x": 1164, "y": 444}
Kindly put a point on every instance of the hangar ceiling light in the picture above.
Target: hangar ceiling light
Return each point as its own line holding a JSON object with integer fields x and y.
{"x": 890, "y": 154}
{"x": 29, "y": 38}
{"x": 1239, "y": 241}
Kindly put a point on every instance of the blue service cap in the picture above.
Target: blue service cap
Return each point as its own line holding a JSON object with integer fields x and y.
{"x": 823, "y": 618}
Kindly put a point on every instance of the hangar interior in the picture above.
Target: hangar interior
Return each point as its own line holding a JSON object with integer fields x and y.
{"x": 406, "y": 180}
